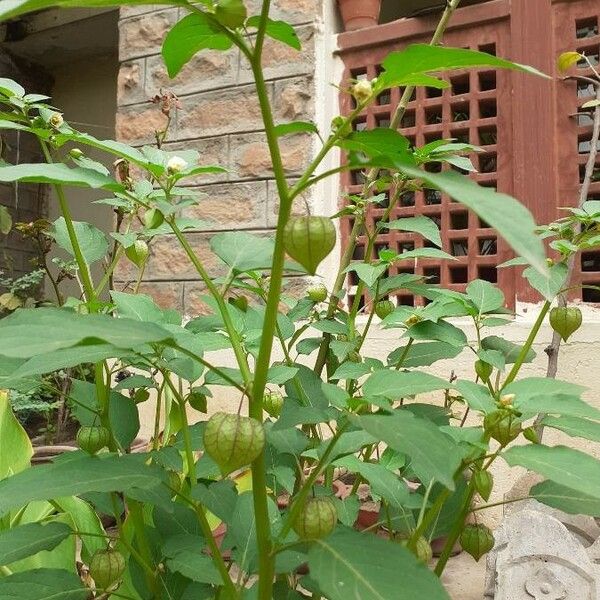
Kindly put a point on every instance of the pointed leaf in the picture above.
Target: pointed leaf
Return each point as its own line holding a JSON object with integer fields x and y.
{"x": 27, "y": 540}
{"x": 189, "y": 36}
{"x": 565, "y": 499}
{"x": 421, "y": 224}
{"x": 43, "y": 584}
{"x": 15, "y": 448}
{"x": 399, "y": 384}
{"x": 485, "y": 296}
{"x": 348, "y": 564}
{"x": 433, "y": 455}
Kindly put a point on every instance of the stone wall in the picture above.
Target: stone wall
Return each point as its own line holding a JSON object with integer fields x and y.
{"x": 220, "y": 118}
{"x": 25, "y": 202}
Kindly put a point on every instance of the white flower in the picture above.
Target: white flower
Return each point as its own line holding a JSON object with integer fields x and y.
{"x": 362, "y": 90}
{"x": 56, "y": 120}
{"x": 176, "y": 164}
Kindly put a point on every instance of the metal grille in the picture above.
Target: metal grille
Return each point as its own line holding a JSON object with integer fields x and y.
{"x": 474, "y": 109}
{"x": 577, "y": 28}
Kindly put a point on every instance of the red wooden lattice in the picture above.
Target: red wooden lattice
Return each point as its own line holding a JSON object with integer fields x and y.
{"x": 520, "y": 121}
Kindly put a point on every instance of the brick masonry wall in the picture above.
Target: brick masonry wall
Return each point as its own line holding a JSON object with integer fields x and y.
{"x": 220, "y": 118}
{"x": 24, "y": 202}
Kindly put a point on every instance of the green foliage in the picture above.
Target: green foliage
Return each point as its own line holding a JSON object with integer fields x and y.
{"x": 266, "y": 474}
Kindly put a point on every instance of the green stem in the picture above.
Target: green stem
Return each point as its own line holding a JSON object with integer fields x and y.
{"x": 200, "y": 510}
{"x": 456, "y": 529}
{"x": 428, "y": 518}
{"x": 300, "y": 499}
{"x": 528, "y": 344}
{"x": 229, "y": 326}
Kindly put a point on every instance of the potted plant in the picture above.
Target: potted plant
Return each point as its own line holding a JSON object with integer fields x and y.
{"x": 358, "y": 14}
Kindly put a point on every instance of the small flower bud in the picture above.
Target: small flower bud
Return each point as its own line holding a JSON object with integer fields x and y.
{"x": 56, "y": 120}
{"x": 362, "y": 90}
{"x": 75, "y": 153}
{"x": 176, "y": 164}
{"x": 507, "y": 399}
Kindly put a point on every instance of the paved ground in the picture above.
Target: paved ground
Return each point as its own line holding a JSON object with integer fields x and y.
{"x": 464, "y": 578}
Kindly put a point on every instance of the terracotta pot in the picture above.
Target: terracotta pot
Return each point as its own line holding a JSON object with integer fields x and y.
{"x": 437, "y": 547}
{"x": 358, "y": 14}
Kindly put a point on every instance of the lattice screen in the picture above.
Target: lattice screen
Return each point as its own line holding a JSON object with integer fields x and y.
{"x": 577, "y": 28}
{"x": 475, "y": 109}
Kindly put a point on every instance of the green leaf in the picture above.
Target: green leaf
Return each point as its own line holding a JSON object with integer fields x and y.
{"x": 416, "y": 59}
{"x": 575, "y": 426}
{"x": 383, "y": 482}
{"x": 137, "y": 306}
{"x": 424, "y": 355}
{"x": 13, "y": 8}
{"x": 441, "y": 331}
{"x": 367, "y": 273}
{"x": 434, "y": 456}
{"x": 425, "y": 253}
{"x": 192, "y": 34}
{"x": 15, "y": 448}
{"x": 243, "y": 251}
{"x": 507, "y": 216}
{"x": 66, "y": 358}
{"x": 530, "y": 387}
{"x": 295, "y": 127}
{"x": 242, "y": 530}
{"x": 509, "y": 350}
{"x": 30, "y": 332}
{"x": 476, "y": 396}
{"x": 548, "y": 287}
{"x": 422, "y": 225}
{"x": 375, "y": 142}
{"x": 186, "y": 556}
{"x": 278, "y": 30}
{"x": 485, "y": 296}
{"x": 351, "y": 370}
{"x": 10, "y": 88}
{"x": 43, "y": 584}
{"x": 231, "y": 13}
{"x": 58, "y": 174}
{"x": 5, "y": 220}
{"x": 349, "y": 564}
{"x": 565, "y": 499}
{"x": 399, "y": 384}
{"x": 27, "y": 540}
{"x": 75, "y": 476}
{"x": 566, "y": 466}
{"x": 92, "y": 241}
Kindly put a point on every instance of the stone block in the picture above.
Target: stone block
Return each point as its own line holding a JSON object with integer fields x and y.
{"x": 213, "y": 151}
{"x": 208, "y": 70}
{"x": 219, "y": 112}
{"x": 250, "y": 157}
{"x": 281, "y": 60}
{"x": 137, "y": 124}
{"x": 131, "y": 82}
{"x": 293, "y": 100}
{"x": 143, "y": 35}
{"x": 232, "y": 206}
{"x": 292, "y": 11}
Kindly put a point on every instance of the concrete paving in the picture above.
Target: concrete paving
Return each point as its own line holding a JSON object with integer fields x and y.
{"x": 464, "y": 578}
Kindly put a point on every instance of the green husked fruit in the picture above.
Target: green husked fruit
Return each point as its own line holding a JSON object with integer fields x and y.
{"x": 233, "y": 441}
{"x": 308, "y": 240}
{"x": 503, "y": 426}
{"x": 197, "y": 400}
{"x": 422, "y": 549}
{"x": 565, "y": 321}
{"x": 317, "y": 293}
{"x": 107, "y": 568}
{"x": 138, "y": 253}
{"x": 384, "y": 308}
{"x": 317, "y": 519}
{"x": 477, "y": 540}
{"x": 153, "y": 218}
{"x": 484, "y": 483}
{"x": 93, "y": 439}
{"x": 273, "y": 403}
